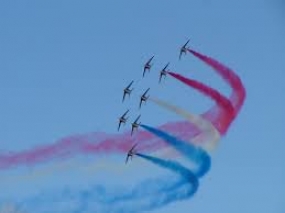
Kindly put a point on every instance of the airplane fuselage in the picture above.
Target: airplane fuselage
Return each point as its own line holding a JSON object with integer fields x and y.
{"x": 183, "y": 50}
{"x": 147, "y": 66}
{"x": 144, "y": 98}
{"x": 123, "y": 120}
{"x": 127, "y": 91}
{"x": 135, "y": 125}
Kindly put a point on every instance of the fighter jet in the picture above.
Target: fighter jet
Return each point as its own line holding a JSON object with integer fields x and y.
{"x": 135, "y": 124}
{"x": 163, "y": 72}
{"x": 148, "y": 65}
{"x": 127, "y": 90}
{"x": 144, "y": 97}
{"x": 123, "y": 119}
{"x": 183, "y": 49}
{"x": 131, "y": 153}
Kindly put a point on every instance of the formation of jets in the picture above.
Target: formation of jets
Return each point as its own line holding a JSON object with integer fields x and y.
{"x": 143, "y": 98}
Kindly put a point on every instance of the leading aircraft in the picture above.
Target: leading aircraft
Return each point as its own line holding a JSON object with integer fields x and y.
{"x": 123, "y": 119}
{"x": 144, "y": 97}
{"x": 135, "y": 124}
{"x": 183, "y": 49}
{"x": 127, "y": 90}
{"x": 147, "y": 66}
{"x": 131, "y": 152}
{"x": 163, "y": 72}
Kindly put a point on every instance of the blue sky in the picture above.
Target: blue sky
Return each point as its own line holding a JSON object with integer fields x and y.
{"x": 63, "y": 65}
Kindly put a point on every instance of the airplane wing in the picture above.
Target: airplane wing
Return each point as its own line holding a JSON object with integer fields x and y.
{"x": 119, "y": 125}
{"x": 166, "y": 66}
{"x": 150, "y": 60}
{"x": 186, "y": 43}
{"x": 133, "y": 147}
{"x": 146, "y": 92}
{"x": 124, "y": 96}
{"x": 129, "y": 85}
{"x": 160, "y": 77}
{"x": 137, "y": 119}
{"x": 125, "y": 113}
{"x": 132, "y": 130}
{"x": 180, "y": 54}
{"x": 127, "y": 158}
{"x": 141, "y": 103}
{"x": 144, "y": 71}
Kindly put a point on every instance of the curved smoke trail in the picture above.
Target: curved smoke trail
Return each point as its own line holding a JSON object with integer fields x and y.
{"x": 238, "y": 95}
{"x": 209, "y": 134}
{"x": 194, "y": 153}
{"x": 147, "y": 195}
{"x": 100, "y": 143}
{"x": 225, "y": 112}
{"x": 238, "y": 91}
{"x": 101, "y": 199}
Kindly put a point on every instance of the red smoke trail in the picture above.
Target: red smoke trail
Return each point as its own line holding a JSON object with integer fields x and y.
{"x": 238, "y": 95}
{"x": 101, "y": 143}
{"x": 95, "y": 144}
{"x": 225, "y": 112}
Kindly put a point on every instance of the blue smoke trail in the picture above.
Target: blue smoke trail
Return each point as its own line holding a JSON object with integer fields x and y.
{"x": 147, "y": 195}
{"x": 174, "y": 166}
{"x": 193, "y": 153}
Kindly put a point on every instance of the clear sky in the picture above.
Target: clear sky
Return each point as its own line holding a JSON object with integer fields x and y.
{"x": 63, "y": 65}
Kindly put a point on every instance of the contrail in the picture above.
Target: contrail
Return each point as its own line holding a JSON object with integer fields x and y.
{"x": 150, "y": 193}
{"x": 173, "y": 166}
{"x": 209, "y": 134}
{"x": 92, "y": 144}
{"x": 188, "y": 150}
{"x": 98, "y": 143}
{"x": 90, "y": 168}
{"x": 226, "y": 109}
{"x": 238, "y": 95}
{"x": 145, "y": 196}
{"x": 206, "y": 90}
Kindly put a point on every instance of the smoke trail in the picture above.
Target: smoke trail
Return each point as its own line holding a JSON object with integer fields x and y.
{"x": 209, "y": 136}
{"x": 102, "y": 143}
{"x": 175, "y": 167}
{"x": 193, "y": 153}
{"x": 208, "y": 91}
{"x": 92, "y": 144}
{"x": 238, "y": 95}
{"x": 226, "y": 116}
{"x": 60, "y": 167}
{"x": 208, "y": 133}
{"x": 147, "y": 195}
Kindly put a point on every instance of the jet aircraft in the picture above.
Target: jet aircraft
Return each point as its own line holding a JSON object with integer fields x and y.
{"x": 144, "y": 97}
{"x": 123, "y": 119}
{"x": 131, "y": 152}
{"x": 147, "y": 66}
{"x": 183, "y": 49}
{"x": 127, "y": 90}
{"x": 163, "y": 72}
